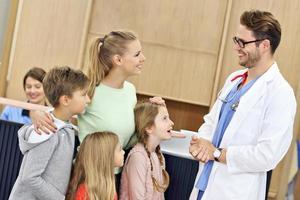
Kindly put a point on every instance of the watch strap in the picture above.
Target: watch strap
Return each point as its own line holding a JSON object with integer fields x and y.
{"x": 217, "y": 159}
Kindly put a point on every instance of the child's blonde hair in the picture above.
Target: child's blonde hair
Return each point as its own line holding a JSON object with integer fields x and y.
{"x": 145, "y": 114}
{"x": 101, "y": 52}
{"x": 94, "y": 167}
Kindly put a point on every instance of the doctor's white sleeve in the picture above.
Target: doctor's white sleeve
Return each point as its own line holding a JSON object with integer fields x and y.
{"x": 274, "y": 141}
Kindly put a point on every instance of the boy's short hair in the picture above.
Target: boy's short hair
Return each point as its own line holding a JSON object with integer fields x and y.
{"x": 61, "y": 81}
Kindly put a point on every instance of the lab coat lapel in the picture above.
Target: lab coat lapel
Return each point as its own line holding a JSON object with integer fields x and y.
{"x": 247, "y": 102}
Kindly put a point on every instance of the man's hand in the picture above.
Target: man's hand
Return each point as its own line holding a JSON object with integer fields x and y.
{"x": 201, "y": 149}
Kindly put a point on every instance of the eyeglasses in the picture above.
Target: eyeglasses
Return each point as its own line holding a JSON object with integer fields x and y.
{"x": 242, "y": 43}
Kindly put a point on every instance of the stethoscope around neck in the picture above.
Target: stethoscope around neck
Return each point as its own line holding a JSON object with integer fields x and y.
{"x": 235, "y": 105}
{"x": 225, "y": 100}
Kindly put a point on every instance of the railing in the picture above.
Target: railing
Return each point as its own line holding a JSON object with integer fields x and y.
{"x": 10, "y": 156}
{"x": 182, "y": 177}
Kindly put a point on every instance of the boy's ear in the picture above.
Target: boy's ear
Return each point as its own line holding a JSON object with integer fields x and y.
{"x": 117, "y": 60}
{"x": 64, "y": 100}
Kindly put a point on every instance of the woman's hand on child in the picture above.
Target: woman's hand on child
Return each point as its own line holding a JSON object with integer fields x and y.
{"x": 157, "y": 100}
{"x": 42, "y": 122}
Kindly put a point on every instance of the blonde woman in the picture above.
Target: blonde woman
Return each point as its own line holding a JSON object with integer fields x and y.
{"x": 93, "y": 175}
{"x": 113, "y": 58}
{"x": 144, "y": 175}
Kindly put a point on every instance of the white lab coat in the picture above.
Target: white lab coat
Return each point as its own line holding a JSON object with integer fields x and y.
{"x": 256, "y": 139}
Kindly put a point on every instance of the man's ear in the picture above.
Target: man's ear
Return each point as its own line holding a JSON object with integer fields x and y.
{"x": 64, "y": 100}
{"x": 266, "y": 44}
{"x": 117, "y": 60}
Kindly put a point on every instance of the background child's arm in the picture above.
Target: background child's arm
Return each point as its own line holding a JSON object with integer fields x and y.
{"x": 35, "y": 163}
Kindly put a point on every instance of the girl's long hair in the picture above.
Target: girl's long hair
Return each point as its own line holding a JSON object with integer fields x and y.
{"x": 145, "y": 114}
{"x": 101, "y": 52}
{"x": 94, "y": 167}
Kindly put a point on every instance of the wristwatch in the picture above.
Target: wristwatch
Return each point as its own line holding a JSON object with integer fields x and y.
{"x": 217, "y": 154}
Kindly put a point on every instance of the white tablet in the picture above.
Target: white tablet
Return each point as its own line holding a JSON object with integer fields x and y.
{"x": 178, "y": 146}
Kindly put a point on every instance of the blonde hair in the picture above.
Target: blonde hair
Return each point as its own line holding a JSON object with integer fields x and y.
{"x": 101, "y": 52}
{"x": 145, "y": 114}
{"x": 94, "y": 167}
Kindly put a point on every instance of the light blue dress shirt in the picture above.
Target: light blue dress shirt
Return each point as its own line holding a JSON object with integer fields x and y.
{"x": 16, "y": 114}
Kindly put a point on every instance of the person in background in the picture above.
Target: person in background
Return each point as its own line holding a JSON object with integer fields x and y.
{"x": 144, "y": 175}
{"x": 47, "y": 161}
{"x": 33, "y": 88}
{"x": 93, "y": 174}
{"x": 250, "y": 127}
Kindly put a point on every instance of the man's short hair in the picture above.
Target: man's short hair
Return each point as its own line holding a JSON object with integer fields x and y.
{"x": 263, "y": 25}
{"x": 61, "y": 81}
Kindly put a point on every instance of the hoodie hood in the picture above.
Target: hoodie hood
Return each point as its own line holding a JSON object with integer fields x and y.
{"x": 23, "y": 135}
{"x": 29, "y": 139}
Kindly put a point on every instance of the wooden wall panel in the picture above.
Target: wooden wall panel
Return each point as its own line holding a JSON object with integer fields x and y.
{"x": 7, "y": 40}
{"x": 181, "y": 53}
{"x": 177, "y": 74}
{"x": 48, "y": 33}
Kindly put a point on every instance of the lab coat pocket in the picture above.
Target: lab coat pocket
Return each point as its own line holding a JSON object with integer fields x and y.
{"x": 230, "y": 184}
{"x": 250, "y": 128}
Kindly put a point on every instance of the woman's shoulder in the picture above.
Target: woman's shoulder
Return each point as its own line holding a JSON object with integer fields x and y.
{"x": 11, "y": 113}
{"x": 12, "y": 109}
{"x": 129, "y": 85}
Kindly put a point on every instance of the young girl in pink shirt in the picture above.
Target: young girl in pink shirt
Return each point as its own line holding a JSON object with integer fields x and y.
{"x": 93, "y": 175}
{"x": 144, "y": 175}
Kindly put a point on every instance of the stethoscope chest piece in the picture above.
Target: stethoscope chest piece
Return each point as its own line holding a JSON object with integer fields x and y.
{"x": 235, "y": 105}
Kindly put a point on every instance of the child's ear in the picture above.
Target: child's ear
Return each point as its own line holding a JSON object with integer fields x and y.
{"x": 64, "y": 100}
{"x": 149, "y": 130}
{"x": 117, "y": 60}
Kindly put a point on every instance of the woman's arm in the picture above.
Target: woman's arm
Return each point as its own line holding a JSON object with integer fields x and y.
{"x": 40, "y": 118}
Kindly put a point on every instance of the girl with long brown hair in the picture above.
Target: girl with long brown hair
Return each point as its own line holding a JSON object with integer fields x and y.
{"x": 144, "y": 175}
{"x": 93, "y": 174}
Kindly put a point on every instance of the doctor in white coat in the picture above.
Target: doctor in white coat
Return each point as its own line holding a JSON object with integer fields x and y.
{"x": 250, "y": 127}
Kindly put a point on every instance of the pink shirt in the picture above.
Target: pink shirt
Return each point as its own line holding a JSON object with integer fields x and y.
{"x": 136, "y": 182}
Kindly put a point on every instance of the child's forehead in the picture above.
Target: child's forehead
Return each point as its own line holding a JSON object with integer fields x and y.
{"x": 80, "y": 90}
{"x": 162, "y": 110}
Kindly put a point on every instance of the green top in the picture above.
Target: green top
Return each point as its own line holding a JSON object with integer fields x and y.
{"x": 112, "y": 110}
